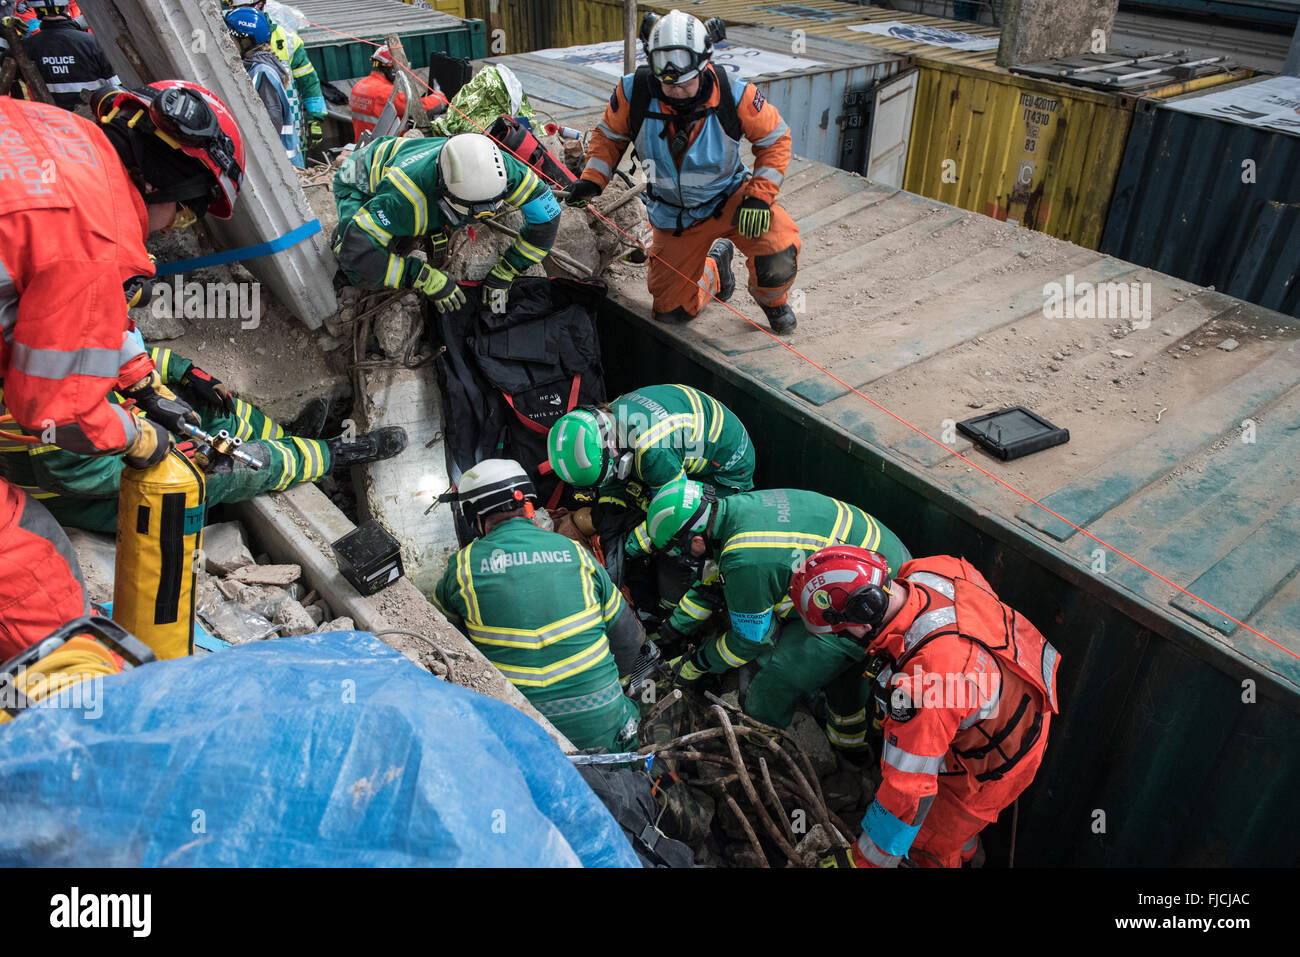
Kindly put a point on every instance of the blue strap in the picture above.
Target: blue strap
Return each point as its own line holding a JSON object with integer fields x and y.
{"x": 291, "y": 238}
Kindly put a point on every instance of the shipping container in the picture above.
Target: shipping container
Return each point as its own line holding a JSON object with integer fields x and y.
{"x": 1180, "y": 725}
{"x": 1037, "y": 152}
{"x": 521, "y": 26}
{"x": 337, "y": 29}
{"x": 1280, "y": 14}
{"x": 846, "y": 105}
{"x": 1213, "y": 198}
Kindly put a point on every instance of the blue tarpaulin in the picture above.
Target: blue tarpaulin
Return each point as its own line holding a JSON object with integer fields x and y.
{"x": 323, "y": 750}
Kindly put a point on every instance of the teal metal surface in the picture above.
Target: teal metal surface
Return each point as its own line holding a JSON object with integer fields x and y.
{"x": 1185, "y": 204}
{"x": 335, "y": 44}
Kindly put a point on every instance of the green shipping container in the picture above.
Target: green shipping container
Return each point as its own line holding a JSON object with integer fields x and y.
{"x": 338, "y": 31}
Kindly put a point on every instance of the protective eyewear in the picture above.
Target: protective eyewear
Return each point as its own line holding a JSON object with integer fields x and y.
{"x": 674, "y": 64}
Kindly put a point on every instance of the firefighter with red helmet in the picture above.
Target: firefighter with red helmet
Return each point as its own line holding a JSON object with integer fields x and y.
{"x": 967, "y": 688}
{"x": 371, "y": 93}
{"x": 77, "y": 200}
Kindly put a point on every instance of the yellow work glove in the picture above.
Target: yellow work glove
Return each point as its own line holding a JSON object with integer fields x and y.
{"x": 445, "y": 294}
{"x": 753, "y": 218}
{"x": 149, "y": 446}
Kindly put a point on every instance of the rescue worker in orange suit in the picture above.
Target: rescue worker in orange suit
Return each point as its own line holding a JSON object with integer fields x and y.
{"x": 686, "y": 119}
{"x": 968, "y": 689}
{"x": 69, "y": 244}
{"x": 371, "y": 93}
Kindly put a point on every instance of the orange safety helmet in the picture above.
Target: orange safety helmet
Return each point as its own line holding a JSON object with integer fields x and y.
{"x": 188, "y": 118}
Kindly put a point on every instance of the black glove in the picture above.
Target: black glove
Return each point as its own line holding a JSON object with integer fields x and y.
{"x": 581, "y": 193}
{"x": 210, "y": 390}
{"x": 753, "y": 218}
{"x": 160, "y": 403}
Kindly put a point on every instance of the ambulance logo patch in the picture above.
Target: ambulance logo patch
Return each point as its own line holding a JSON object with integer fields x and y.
{"x": 759, "y": 100}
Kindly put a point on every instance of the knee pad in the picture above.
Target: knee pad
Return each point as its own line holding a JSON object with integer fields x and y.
{"x": 776, "y": 269}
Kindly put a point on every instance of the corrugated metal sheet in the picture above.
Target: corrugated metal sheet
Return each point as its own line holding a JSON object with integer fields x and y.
{"x": 810, "y": 96}
{"x": 1039, "y": 153}
{"x": 334, "y": 23}
{"x": 1181, "y": 205}
{"x": 1262, "y": 50}
{"x": 526, "y": 25}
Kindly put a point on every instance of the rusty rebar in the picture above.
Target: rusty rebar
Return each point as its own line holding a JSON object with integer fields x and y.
{"x": 777, "y": 807}
{"x": 751, "y": 792}
{"x": 749, "y": 830}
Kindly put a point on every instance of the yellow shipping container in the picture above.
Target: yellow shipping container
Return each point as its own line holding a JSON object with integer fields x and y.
{"x": 454, "y": 7}
{"x": 1036, "y": 152}
{"x": 528, "y": 25}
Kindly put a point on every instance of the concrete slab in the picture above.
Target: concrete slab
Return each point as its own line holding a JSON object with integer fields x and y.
{"x": 398, "y": 492}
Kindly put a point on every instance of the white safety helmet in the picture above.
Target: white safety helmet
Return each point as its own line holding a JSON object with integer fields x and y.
{"x": 473, "y": 173}
{"x": 494, "y": 485}
{"x": 679, "y": 45}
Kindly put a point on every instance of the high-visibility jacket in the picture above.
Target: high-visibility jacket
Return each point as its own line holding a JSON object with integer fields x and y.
{"x": 292, "y": 52}
{"x": 369, "y": 96}
{"x": 686, "y": 189}
{"x": 72, "y": 228}
{"x": 69, "y": 60}
{"x": 759, "y": 538}
{"x": 546, "y": 614}
{"x": 390, "y": 189}
{"x": 674, "y": 430}
{"x": 969, "y": 694}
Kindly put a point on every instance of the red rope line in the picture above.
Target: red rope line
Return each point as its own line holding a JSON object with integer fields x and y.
{"x": 830, "y": 375}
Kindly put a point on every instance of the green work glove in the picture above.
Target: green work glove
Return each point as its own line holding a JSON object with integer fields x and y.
{"x": 496, "y": 286}
{"x": 315, "y": 133}
{"x": 439, "y": 287}
{"x": 754, "y": 217}
{"x": 839, "y": 857}
{"x": 581, "y": 193}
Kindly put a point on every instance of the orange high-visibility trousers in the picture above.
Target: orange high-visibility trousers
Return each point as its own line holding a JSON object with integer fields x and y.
{"x": 40, "y": 580}
{"x": 682, "y": 277}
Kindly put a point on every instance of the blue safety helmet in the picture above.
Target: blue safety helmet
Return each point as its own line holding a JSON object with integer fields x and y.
{"x": 249, "y": 22}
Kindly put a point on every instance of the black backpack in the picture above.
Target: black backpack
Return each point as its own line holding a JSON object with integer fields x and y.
{"x": 629, "y": 796}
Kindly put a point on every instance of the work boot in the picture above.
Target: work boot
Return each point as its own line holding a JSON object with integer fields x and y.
{"x": 677, "y": 317}
{"x": 310, "y": 422}
{"x": 721, "y": 252}
{"x": 368, "y": 447}
{"x": 781, "y": 319}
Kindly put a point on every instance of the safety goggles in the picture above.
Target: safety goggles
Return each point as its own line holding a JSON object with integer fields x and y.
{"x": 675, "y": 64}
{"x": 469, "y": 212}
{"x": 184, "y": 117}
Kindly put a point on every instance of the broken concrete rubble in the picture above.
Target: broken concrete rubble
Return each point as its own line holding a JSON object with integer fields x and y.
{"x": 268, "y": 574}
{"x": 224, "y": 548}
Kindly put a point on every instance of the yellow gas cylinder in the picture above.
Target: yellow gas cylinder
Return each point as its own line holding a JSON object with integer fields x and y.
{"x": 159, "y": 533}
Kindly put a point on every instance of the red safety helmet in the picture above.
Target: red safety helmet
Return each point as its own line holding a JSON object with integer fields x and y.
{"x": 193, "y": 120}
{"x": 381, "y": 57}
{"x": 841, "y": 586}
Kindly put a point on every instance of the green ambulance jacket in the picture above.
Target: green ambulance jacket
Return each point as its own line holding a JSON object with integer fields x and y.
{"x": 47, "y": 471}
{"x": 542, "y": 610}
{"x": 760, "y": 539}
{"x": 389, "y": 190}
{"x": 671, "y": 430}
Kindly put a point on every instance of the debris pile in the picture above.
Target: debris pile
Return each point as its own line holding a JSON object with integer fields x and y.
{"x": 742, "y": 793}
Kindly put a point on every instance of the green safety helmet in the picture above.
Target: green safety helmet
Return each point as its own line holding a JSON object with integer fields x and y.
{"x": 582, "y": 450}
{"x": 681, "y": 508}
